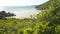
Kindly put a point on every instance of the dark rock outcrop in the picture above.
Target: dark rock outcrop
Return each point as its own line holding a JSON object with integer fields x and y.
{"x": 3, "y": 14}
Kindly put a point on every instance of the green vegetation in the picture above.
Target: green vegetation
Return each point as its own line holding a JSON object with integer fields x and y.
{"x": 46, "y": 22}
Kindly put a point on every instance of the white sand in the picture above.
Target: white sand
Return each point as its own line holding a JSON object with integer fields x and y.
{"x": 25, "y": 15}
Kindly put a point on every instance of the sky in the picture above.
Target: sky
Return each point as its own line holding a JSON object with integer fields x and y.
{"x": 21, "y": 2}
{"x": 14, "y": 6}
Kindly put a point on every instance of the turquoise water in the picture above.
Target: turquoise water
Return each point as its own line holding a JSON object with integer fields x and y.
{"x": 20, "y": 9}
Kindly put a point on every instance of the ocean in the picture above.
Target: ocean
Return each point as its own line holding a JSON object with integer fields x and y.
{"x": 21, "y": 11}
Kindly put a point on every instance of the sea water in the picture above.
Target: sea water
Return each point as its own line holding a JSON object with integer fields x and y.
{"x": 21, "y": 11}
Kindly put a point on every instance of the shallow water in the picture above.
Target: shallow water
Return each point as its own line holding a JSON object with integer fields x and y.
{"x": 21, "y": 11}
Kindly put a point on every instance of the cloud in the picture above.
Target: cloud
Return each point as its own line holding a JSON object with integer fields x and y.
{"x": 21, "y": 2}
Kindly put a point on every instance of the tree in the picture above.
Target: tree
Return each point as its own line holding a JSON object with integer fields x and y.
{"x": 50, "y": 13}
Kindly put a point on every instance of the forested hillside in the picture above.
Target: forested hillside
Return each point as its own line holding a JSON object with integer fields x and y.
{"x": 50, "y": 14}
{"x": 46, "y": 22}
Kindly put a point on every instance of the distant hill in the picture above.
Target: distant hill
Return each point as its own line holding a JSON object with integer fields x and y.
{"x": 47, "y": 5}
